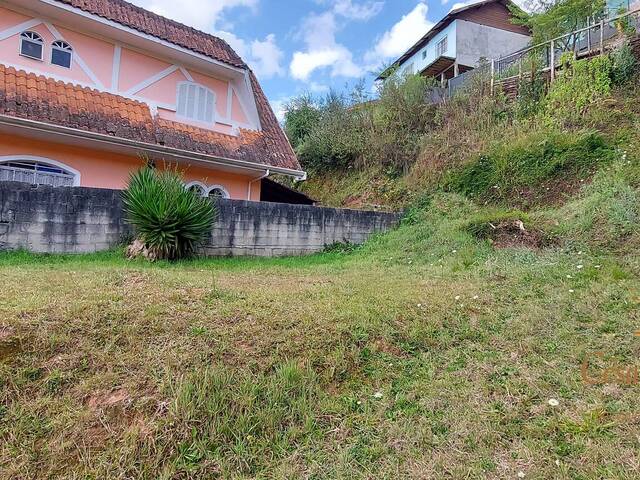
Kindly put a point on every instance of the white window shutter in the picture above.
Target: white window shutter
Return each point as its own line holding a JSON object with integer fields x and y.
{"x": 196, "y": 102}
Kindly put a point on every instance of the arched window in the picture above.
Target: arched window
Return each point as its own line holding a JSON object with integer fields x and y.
{"x": 196, "y": 102}
{"x": 197, "y": 187}
{"x": 38, "y": 172}
{"x": 61, "y": 54}
{"x": 218, "y": 191}
{"x": 31, "y": 45}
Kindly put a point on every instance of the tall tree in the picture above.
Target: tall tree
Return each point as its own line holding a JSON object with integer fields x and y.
{"x": 553, "y": 18}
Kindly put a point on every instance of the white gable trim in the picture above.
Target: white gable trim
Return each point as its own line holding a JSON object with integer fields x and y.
{"x": 76, "y": 57}
{"x": 115, "y": 72}
{"x": 11, "y": 31}
{"x": 151, "y": 80}
{"x": 110, "y": 23}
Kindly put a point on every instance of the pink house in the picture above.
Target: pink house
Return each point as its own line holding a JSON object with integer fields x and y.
{"x": 88, "y": 88}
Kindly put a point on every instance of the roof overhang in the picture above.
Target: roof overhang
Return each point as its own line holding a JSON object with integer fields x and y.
{"x": 81, "y": 138}
{"x": 79, "y": 20}
{"x": 438, "y": 66}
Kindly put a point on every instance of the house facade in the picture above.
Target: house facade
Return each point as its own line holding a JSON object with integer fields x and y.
{"x": 90, "y": 90}
{"x": 461, "y": 40}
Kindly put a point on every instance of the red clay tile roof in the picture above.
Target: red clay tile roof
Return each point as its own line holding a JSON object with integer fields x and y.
{"x": 26, "y": 95}
{"x": 163, "y": 28}
{"x": 276, "y": 150}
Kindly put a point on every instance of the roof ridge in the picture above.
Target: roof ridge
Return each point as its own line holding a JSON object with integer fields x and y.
{"x": 121, "y": 11}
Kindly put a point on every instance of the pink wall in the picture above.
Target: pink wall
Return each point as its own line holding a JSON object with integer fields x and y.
{"x": 110, "y": 170}
{"x": 93, "y": 66}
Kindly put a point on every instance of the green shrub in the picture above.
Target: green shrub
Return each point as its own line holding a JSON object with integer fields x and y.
{"x": 624, "y": 64}
{"x": 579, "y": 85}
{"x": 528, "y": 161}
{"x": 346, "y": 131}
{"x": 170, "y": 220}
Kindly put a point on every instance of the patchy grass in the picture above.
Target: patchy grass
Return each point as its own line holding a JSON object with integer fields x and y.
{"x": 510, "y": 170}
{"x": 427, "y": 353}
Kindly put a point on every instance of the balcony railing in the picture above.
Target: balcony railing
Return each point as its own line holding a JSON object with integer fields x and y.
{"x": 25, "y": 175}
{"x": 547, "y": 57}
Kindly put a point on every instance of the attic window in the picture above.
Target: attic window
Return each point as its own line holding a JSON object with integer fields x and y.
{"x": 61, "y": 53}
{"x": 31, "y": 45}
{"x": 196, "y": 102}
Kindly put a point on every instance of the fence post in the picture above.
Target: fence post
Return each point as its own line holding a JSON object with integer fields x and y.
{"x": 602, "y": 37}
{"x": 552, "y": 57}
{"x": 493, "y": 74}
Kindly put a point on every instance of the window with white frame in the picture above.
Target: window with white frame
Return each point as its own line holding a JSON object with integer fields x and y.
{"x": 196, "y": 102}
{"x": 31, "y": 45}
{"x": 36, "y": 173}
{"x": 442, "y": 47}
{"x": 197, "y": 188}
{"x": 218, "y": 191}
{"x": 215, "y": 191}
{"x": 61, "y": 54}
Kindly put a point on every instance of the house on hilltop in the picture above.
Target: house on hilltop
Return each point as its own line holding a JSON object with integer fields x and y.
{"x": 88, "y": 87}
{"x": 461, "y": 40}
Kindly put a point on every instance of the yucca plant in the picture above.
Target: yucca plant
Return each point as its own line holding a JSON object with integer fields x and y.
{"x": 170, "y": 221}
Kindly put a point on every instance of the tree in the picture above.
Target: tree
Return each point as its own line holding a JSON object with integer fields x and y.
{"x": 302, "y": 115}
{"x": 554, "y": 18}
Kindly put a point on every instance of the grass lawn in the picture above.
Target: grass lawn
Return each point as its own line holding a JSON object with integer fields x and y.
{"x": 426, "y": 354}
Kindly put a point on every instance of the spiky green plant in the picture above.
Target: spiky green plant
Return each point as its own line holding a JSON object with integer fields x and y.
{"x": 170, "y": 220}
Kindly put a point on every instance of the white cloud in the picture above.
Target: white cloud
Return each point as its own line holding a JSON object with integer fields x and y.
{"x": 527, "y": 5}
{"x": 319, "y": 35}
{"x": 455, "y": 6}
{"x": 401, "y": 36}
{"x": 357, "y": 11}
{"x": 201, "y": 14}
{"x": 264, "y": 56}
{"x": 279, "y": 107}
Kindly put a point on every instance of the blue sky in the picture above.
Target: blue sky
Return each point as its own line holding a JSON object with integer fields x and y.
{"x": 298, "y": 46}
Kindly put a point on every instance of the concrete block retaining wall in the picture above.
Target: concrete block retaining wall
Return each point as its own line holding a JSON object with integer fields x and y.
{"x": 83, "y": 220}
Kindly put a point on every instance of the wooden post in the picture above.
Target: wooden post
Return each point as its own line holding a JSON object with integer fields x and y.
{"x": 493, "y": 74}
{"x": 456, "y": 69}
{"x": 520, "y": 68}
{"x": 552, "y": 56}
{"x": 602, "y": 37}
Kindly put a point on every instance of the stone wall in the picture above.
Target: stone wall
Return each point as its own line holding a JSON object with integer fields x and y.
{"x": 82, "y": 220}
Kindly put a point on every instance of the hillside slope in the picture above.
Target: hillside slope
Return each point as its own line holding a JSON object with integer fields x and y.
{"x": 471, "y": 342}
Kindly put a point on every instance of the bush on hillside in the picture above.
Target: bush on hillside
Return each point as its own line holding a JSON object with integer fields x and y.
{"x": 169, "y": 220}
{"x": 341, "y": 131}
{"x": 579, "y": 85}
{"x": 530, "y": 160}
{"x": 624, "y": 66}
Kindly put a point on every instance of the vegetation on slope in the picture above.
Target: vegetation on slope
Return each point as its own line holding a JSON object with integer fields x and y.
{"x": 394, "y": 150}
{"x": 427, "y": 353}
